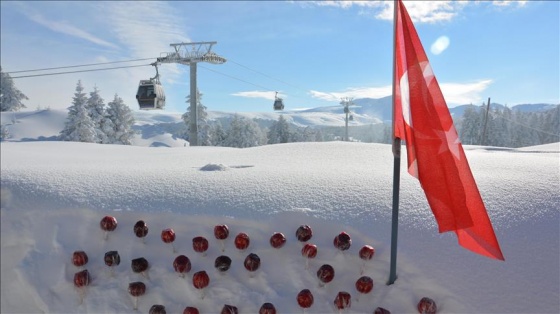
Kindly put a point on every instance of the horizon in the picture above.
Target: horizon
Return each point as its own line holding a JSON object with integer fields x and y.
{"x": 294, "y": 48}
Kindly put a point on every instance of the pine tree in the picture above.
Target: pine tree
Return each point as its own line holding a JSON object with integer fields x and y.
{"x": 4, "y": 133}
{"x": 108, "y": 128}
{"x": 309, "y": 134}
{"x": 496, "y": 129}
{"x": 96, "y": 110}
{"x": 204, "y": 130}
{"x": 470, "y": 126}
{"x": 552, "y": 125}
{"x": 535, "y": 124}
{"x": 279, "y": 131}
{"x": 506, "y": 122}
{"x": 244, "y": 133}
{"x": 119, "y": 122}
{"x": 79, "y": 127}
{"x": 219, "y": 134}
{"x": 10, "y": 96}
{"x": 319, "y": 136}
{"x": 387, "y": 134}
{"x": 233, "y": 136}
{"x": 517, "y": 133}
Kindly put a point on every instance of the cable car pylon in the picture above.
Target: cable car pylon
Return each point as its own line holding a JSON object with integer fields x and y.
{"x": 190, "y": 54}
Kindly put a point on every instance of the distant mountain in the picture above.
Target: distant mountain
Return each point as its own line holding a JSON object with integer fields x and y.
{"x": 382, "y": 108}
{"x": 379, "y": 109}
{"x": 534, "y": 107}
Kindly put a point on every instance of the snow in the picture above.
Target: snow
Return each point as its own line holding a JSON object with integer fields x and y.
{"x": 54, "y": 195}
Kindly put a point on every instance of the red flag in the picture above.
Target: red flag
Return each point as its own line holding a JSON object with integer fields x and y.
{"x": 435, "y": 154}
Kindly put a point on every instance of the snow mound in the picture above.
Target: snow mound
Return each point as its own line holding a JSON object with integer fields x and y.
{"x": 215, "y": 167}
{"x": 551, "y": 147}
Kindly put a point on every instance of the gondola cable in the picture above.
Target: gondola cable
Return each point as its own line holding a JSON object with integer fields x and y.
{"x": 79, "y": 71}
{"x": 265, "y": 75}
{"x": 277, "y": 99}
{"x": 80, "y": 65}
{"x": 278, "y": 102}
{"x": 235, "y": 78}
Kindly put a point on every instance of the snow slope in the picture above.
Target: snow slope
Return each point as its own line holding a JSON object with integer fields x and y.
{"x": 55, "y": 193}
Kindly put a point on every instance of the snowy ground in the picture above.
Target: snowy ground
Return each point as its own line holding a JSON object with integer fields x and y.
{"x": 55, "y": 193}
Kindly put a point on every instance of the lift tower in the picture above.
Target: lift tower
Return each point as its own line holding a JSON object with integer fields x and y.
{"x": 346, "y": 102}
{"x": 190, "y": 54}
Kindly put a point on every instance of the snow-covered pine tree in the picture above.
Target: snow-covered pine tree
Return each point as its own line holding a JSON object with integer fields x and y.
{"x": 279, "y": 131}
{"x": 118, "y": 128}
{"x": 96, "y": 110}
{"x": 78, "y": 127}
{"x": 218, "y": 134}
{"x": 10, "y": 96}
{"x": 108, "y": 128}
{"x": 533, "y": 133}
{"x": 494, "y": 129}
{"x": 471, "y": 126}
{"x": 308, "y": 134}
{"x": 4, "y": 133}
{"x": 204, "y": 129}
{"x": 518, "y": 132}
{"x": 319, "y": 135}
{"x": 506, "y": 126}
{"x": 244, "y": 133}
{"x": 552, "y": 125}
{"x": 233, "y": 136}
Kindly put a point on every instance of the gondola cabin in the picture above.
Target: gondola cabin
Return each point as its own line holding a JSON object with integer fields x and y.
{"x": 150, "y": 95}
{"x": 278, "y": 104}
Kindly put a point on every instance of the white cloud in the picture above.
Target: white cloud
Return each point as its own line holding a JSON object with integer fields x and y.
{"x": 505, "y": 3}
{"x": 419, "y": 11}
{"x": 347, "y": 4}
{"x": 464, "y": 93}
{"x": 145, "y": 27}
{"x": 68, "y": 29}
{"x": 454, "y": 93}
{"x": 367, "y": 92}
{"x": 259, "y": 94}
{"x": 440, "y": 45}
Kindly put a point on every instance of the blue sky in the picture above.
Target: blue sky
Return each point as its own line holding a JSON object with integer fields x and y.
{"x": 312, "y": 52}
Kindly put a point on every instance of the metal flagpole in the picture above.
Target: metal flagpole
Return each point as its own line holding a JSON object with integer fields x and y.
{"x": 396, "y": 164}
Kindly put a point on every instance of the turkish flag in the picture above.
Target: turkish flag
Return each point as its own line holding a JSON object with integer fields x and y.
{"x": 435, "y": 154}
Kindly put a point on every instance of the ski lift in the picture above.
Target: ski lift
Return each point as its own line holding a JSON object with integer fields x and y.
{"x": 150, "y": 93}
{"x": 351, "y": 118}
{"x": 278, "y": 104}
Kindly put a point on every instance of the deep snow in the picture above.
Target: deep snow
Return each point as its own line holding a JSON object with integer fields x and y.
{"x": 55, "y": 193}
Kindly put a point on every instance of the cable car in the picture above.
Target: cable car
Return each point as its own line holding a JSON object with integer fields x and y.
{"x": 278, "y": 104}
{"x": 150, "y": 94}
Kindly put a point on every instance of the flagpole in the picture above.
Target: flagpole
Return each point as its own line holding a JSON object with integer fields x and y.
{"x": 396, "y": 164}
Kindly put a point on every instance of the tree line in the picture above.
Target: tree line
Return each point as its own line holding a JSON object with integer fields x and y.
{"x": 242, "y": 132}
{"x": 504, "y": 127}
{"x": 499, "y": 126}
